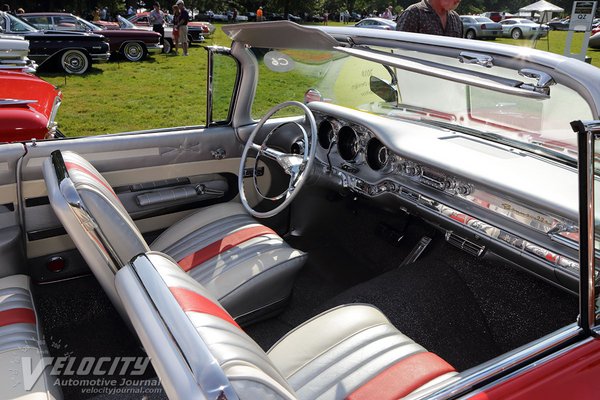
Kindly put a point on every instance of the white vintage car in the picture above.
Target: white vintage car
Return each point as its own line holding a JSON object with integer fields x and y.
{"x": 413, "y": 218}
{"x": 13, "y": 54}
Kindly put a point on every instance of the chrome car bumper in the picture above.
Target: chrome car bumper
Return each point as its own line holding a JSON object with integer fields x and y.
{"x": 154, "y": 48}
{"x": 100, "y": 57}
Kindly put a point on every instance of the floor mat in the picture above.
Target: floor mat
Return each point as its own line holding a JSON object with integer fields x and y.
{"x": 82, "y": 325}
{"x": 430, "y": 303}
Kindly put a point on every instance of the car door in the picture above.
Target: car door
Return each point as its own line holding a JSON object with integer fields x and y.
{"x": 160, "y": 176}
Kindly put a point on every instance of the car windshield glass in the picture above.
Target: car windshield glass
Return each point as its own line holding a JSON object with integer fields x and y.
{"x": 482, "y": 19}
{"x": 124, "y": 23}
{"x": 526, "y": 119}
{"x": 19, "y": 25}
{"x": 88, "y": 25}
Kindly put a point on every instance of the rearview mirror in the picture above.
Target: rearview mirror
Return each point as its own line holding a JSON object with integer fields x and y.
{"x": 383, "y": 89}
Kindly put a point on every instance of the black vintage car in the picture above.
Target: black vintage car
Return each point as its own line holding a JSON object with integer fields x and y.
{"x": 74, "y": 52}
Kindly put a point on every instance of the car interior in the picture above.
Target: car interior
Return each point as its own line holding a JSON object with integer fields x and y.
{"x": 304, "y": 253}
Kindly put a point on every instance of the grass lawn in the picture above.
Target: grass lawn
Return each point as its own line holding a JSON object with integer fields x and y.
{"x": 167, "y": 90}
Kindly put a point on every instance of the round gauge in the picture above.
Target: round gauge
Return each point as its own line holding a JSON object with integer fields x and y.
{"x": 325, "y": 134}
{"x": 377, "y": 154}
{"x": 347, "y": 143}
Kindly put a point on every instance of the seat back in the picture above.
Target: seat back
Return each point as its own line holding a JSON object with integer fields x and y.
{"x": 93, "y": 215}
{"x": 195, "y": 346}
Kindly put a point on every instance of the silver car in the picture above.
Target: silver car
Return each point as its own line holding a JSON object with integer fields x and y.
{"x": 480, "y": 27}
{"x": 522, "y": 28}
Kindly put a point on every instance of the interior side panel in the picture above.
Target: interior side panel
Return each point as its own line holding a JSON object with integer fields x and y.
{"x": 144, "y": 170}
{"x": 11, "y": 250}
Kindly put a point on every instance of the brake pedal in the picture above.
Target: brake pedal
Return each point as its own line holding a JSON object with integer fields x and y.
{"x": 416, "y": 252}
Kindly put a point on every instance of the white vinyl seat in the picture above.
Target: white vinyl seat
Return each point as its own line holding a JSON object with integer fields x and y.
{"x": 22, "y": 341}
{"x": 349, "y": 352}
{"x": 244, "y": 264}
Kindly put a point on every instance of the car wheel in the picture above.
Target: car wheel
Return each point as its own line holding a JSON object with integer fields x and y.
{"x": 75, "y": 62}
{"x": 470, "y": 34}
{"x": 516, "y": 34}
{"x": 167, "y": 46}
{"x": 134, "y": 51}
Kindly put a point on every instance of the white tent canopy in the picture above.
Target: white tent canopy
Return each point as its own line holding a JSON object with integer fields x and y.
{"x": 543, "y": 8}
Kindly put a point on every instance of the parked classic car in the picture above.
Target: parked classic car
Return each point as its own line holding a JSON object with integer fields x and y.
{"x": 376, "y": 23}
{"x": 475, "y": 27}
{"x": 74, "y": 52}
{"x": 404, "y": 183}
{"x": 28, "y": 107}
{"x": 522, "y": 28}
{"x": 13, "y": 54}
{"x": 559, "y": 24}
{"x": 133, "y": 44}
{"x": 197, "y": 31}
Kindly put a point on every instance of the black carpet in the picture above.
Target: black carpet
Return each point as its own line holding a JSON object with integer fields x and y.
{"x": 79, "y": 321}
{"x": 430, "y": 303}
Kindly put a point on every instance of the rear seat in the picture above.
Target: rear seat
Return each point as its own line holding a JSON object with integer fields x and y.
{"x": 21, "y": 341}
{"x": 196, "y": 347}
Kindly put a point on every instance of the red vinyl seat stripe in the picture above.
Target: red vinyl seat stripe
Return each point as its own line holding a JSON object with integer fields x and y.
{"x": 403, "y": 377}
{"x": 74, "y": 166}
{"x": 17, "y": 316}
{"x": 214, "y": 249}
{"x": 191, "y": 301}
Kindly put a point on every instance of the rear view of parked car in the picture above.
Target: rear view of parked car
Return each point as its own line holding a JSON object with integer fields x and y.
{"x": 522, "y": 28}
{"x": 13, "y": 54}
{"x": 480, "y": 27}
{"x": 28, "y": 107}
{"x": 133, "y": 44}
{"x": 73, "y": 52}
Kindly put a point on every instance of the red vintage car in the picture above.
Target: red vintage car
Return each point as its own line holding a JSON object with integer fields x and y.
{"x": 28, "y": 107}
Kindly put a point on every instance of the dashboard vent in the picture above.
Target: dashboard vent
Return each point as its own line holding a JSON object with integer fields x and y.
{"x": 464, "y": 244}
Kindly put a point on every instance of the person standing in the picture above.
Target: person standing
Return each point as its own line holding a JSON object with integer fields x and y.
{"x": 96, "y": 14}
{"x": 433, "y": 17}
{"x": 157, "y": 19}
{"x": 175, "y": 21}
{"x": 184, "y": 19}
{"x": 326, "y": 18}
{"x": 234, "y": 16}
{"x": 259, "y": 14}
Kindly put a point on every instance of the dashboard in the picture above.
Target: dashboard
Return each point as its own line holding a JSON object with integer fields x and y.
{"x": 396, "y": 165}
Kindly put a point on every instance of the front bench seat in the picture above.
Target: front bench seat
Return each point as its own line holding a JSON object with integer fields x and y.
{"x": 244, "y": 264}
{"x": 22, "y": 341}
{"x": 350, "y": 352}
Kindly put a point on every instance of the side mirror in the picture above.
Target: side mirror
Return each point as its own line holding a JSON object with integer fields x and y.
{"x": 383, "y": 89}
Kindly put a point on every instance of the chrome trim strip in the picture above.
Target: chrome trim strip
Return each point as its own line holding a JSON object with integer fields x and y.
{"x": 478, "y": 226}
{"x": 194, "y": 350}
{"x": 85, "y": 218}
{"x": 468, "y": 77}
{"x": 478, "y": 375}
{"x": 15, "y": 102}
{"x": 587, "y": 132}
{"x": 100, "y": 57}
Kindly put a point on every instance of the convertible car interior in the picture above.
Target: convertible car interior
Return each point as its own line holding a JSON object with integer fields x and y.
{"x": 410, "y": 217}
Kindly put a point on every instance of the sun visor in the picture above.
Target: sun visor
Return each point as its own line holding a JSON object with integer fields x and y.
{"x": 280, "y": 35}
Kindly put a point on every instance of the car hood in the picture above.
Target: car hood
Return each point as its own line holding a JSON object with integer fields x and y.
{"x": 63, "y": 35}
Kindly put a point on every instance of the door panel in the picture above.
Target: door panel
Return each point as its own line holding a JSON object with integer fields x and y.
{"x": 12, "y": 260}
{"x": 141, "y": 168}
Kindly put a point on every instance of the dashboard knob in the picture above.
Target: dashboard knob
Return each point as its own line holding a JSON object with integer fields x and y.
{"x": 464, "y": 190}
{"x": 412, "y": 169}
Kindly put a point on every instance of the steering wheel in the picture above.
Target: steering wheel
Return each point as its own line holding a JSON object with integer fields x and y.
{"x": 296, "y": 166}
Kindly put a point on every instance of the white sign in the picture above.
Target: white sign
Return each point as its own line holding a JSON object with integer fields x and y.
{"x": 582, "y": 16}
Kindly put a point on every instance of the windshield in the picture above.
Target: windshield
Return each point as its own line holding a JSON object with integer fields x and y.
{"x": 18, "y": 25}
{"x": 495, "y": 112}
{"x": 88, "y": 25}
{"x": 125, "y": 24}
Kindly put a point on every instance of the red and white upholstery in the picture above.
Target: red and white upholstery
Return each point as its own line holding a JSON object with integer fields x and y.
{"x": 349, "y": 352}
{"x": 244, "y": 264}
{"x": 21, "y": 341}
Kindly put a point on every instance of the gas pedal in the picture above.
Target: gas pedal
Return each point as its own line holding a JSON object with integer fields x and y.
{"x": 416, "y": 252}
